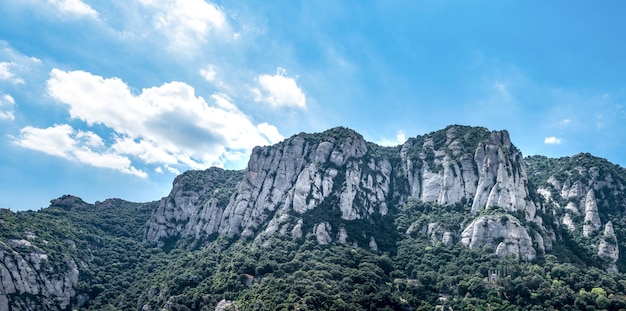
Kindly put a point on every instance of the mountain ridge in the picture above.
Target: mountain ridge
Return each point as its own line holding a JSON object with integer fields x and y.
{"x": 458, "y": 188}
{"x": 300, "y": 174}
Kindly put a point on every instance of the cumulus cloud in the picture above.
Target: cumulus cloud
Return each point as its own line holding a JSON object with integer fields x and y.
{"x": 75, "y": 8}
{"x": 552, "y": 140}
{"x": 400, "y": 139}
{"x": 7, "y": 74}
{"x": 208, "y": 73}
{"x": 168, "y": 125}
{"x": 279, "y": 90}
{"x": 65, "y": 142}
{"x": 185, "y": 22}
{"x": 6, "y": 107}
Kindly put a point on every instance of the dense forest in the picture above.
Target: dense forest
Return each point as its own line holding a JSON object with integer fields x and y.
{"x": 123, "y": 273}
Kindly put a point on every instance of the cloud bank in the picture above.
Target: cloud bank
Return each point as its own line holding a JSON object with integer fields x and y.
{"x": 166, "y": 126}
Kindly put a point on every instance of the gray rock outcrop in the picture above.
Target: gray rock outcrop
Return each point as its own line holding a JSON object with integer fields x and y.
{"x": 438, "y": 233}
{"x": 490, "y": 173}
{"x": 609, "y": 248}
{"x": 28, "y": 280}
{"x": 581, "y": 191}
{"x": 592, "y": 219}
{"x": 336, "y": 172}
{"x": 194, "y": 206}
{"x": 502, "y": 233}
{"x": 294, "y": 177}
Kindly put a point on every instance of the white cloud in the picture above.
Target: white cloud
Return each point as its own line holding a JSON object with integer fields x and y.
{"x": 400, "y": 139}
{"x": 74, "y": 8}
{"x": 279, "y": 90}
{"x": 6, "y": 107}
{"x": 172, "y": 170}
{"x": 185, "y": 22}
{"x": 6, "y": 73}
{"x": 166, "y": 125}
{"x": 270, "y": 132}
{"x": 565, "y": 122}
{"x": 552, "y": 140}
{"x": 65, "y": 142}
{"x": 90, "y": 139}
{"x": 208, "y": 73}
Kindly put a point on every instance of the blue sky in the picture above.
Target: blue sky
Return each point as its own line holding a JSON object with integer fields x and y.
{"x": 115, "y": 98}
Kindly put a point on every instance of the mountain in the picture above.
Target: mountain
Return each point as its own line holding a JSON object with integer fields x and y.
{"x": 456, "y": 217}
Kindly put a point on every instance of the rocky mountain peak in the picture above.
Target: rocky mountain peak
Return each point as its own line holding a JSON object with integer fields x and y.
{"x": 68, "y": 201}
{"x": 318, "y": 184}
{"x": 467, "y": 164}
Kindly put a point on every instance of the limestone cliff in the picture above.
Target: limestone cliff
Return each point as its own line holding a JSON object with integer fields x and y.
{"x": 29, "y": 281}
{"x": 472, "y": 165}
{"x": 583, "y": 193}
{"x": 194, "y": 206}
{"x": 324, "y": 184}
{"x": 505, "y": 234}
{"x": 609, "y": 248}
{"x": 281, "y": 184}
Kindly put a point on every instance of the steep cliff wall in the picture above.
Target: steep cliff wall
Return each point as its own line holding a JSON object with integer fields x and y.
{"x": 281, "y": 184}
{"x": 584, "y": 194}
{"x": 471, "y": 165}
{"x": 29, "y": 281}
{"x": 502, "y": 233}
{"x": 331, "y": 185}
{"x": 194, "y": 206}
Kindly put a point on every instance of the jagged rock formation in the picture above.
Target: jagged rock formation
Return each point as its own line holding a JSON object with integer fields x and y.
{"x": 592, "y": 219}
{"x": 280, "y": 184}
{"x": 194, "y": 206}
{"x": 437, "y": 233}
{"x": 503, "y": 233}
{"x": 476, "y": 166}
{"x": 338, "y": 173}
{"x": 30, "y": 282}
{"x": 609, "y": 248}
{"x": 584, "y": 193}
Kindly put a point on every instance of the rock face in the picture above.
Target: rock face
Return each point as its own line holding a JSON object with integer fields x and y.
{"x": 29, "y": 281}
{"x": 503, "y": 233}
{"x": 609, "y": 248}
{"x": 437, "y": 233}
{"x": 317, "y": 184}
{"x": 592, "y": 219}
{"x": 475, "y": 166}
{"x": 68, "y": 201}
{"x": 584, "y": 193}
{"x": 302, "y": 174}
{"x": 281, "y": 184}
{"x": 194, "y": 207}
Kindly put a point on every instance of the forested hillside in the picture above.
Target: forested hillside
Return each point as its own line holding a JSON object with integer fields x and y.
{"x": 455, "y": 218}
